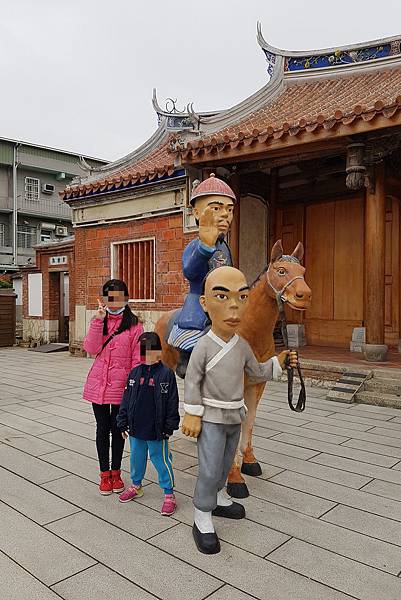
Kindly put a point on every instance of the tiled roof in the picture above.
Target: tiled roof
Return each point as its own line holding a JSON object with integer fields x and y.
{"x": 308, "y": 105}
{"x": 158, "y": 164}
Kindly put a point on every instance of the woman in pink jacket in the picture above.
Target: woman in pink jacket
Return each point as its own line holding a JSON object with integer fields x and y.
{"x": 113, "y": 339}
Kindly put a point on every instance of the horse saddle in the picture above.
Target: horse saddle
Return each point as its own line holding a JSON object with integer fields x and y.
{"x": 174, "y": 319}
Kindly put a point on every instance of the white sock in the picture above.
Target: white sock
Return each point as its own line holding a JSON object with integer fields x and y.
{"x": 203, "y": 521}
{"x": 223, "y": 499}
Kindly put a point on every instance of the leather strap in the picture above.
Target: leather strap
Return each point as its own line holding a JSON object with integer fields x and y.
{"x": 300, "y": 406}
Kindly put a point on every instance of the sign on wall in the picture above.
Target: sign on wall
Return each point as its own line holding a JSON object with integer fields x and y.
{"x": 58, "y": 260}
{"x": 35, "y": 294}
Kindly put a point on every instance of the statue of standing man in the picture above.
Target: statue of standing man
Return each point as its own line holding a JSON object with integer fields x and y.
{"x": 213, "y": 208}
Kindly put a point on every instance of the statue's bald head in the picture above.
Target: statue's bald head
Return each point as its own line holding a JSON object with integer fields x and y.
{"x": 230, "y": 277}
{"x": 224, "y": 298}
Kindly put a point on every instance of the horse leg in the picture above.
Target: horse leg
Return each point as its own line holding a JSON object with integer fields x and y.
{"x": 169, "y": 353}
{"x": 236, "y": 485}
{"x": 250, "y": 465}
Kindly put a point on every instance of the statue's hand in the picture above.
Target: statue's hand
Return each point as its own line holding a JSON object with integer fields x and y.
{"x": 208, "y": 231}
{"x": 191, "y": 425}
{"x": 293, "y": 356}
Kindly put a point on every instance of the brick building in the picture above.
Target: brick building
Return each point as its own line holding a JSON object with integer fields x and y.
{"x": 313, "y": 156}
{"x": 48, "y": 293}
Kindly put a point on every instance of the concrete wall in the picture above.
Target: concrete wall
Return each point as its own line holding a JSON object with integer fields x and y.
{"x": 40, "y": 331}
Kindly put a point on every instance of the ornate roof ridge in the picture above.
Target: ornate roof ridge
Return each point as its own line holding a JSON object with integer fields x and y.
{"x": 304, "y": 62}
{"x": 157, "y": 139}
{"x": 297, "y": 53}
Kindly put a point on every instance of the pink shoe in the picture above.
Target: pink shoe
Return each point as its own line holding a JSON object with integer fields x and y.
{"x": 131, "y": 493}
{"x": 169, "y": 505}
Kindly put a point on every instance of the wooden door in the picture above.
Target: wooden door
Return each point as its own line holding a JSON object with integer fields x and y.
{"x": 334, "y": 260}
{"x": 290, "y": 229}
{"x": 392, "y": 272}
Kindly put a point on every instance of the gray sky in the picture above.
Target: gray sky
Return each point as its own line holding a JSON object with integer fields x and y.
{"x": 78, "y": 74}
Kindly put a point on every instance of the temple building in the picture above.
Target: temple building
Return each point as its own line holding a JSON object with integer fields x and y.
{"x": 314, "y": 156}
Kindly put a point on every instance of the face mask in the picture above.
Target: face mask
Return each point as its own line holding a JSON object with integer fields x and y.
{"x": 117, "y": 311}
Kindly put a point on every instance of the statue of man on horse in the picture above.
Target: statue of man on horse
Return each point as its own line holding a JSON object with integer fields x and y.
{"x": 213, "y": 207}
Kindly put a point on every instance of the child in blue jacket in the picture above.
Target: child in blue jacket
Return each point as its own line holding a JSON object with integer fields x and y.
{"x": 149, "y": 415}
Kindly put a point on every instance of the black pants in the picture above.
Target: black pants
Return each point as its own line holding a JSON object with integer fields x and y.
{"x": 105, "y": 415}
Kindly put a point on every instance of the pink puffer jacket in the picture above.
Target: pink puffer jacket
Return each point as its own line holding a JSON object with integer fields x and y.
{"x": 108, "y": 375}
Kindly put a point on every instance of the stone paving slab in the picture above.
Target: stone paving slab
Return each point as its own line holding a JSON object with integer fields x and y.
{"x": 132, "y": 517}
{"x": 27, "y": 466}
{"x": 100, "y": 583}
{"x": 227, "y": 592}
{"x": 26, "y": 443}
{"x": 136, "y": 560}
{"x": 46, "y": 557}
{"x": 338, "y": 493}
{"x": 331, "y": 569}
{"x": 378, "y": 527}
{"x": 31, "y": 500}
{"x": 245, "y": 571}
{"x": 337, "y": 450}
{"x": 248, "y": 535}
{"x": 327, "y": 507}
{"x": 353, "y": 466}
{"x": 16, "y": 583}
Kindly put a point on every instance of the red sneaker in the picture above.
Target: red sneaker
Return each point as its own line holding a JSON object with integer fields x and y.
{"x": 117, "y": 483}
{"x": 106, "y": 486}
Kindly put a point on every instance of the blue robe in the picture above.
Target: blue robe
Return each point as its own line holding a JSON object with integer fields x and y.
{"x": 197, "y": 260}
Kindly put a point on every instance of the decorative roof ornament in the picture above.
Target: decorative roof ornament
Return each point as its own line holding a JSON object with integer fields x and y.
{"x": 175, "y": 119}
{"x": 304, "y": 62}
{"x": 85, "y": 166}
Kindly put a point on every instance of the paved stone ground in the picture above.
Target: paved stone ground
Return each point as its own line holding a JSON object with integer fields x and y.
{"x": 323, "y": 522}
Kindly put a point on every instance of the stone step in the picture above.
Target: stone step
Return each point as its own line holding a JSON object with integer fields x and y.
{"x": 387, "y": 374}
{"x": 378, "y": 399}
{"x": 387, "y": 386}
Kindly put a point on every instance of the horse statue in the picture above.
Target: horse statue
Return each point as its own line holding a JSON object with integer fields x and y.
{"x": 283, "y": 278}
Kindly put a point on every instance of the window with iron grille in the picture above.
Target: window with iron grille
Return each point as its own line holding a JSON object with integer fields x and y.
{"x": 3, "y": 234}
{"x": 32, "y": 188}
{"x": 26, "y": 236}
{"x": 134, "y": 263}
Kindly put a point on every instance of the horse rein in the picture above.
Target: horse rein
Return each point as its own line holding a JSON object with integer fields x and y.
{"x": 300, "y": 406}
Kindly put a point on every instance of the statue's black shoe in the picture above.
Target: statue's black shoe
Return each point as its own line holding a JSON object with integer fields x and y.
{"x": 234, "y": 511}
{"x": 182, "y": 363}
{"x": 207, "y": 543}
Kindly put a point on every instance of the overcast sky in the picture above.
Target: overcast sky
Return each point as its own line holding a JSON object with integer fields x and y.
{"x": 78, "y": 74}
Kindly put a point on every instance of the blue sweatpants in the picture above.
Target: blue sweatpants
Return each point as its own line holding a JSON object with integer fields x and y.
{"x": 161, "y": 458}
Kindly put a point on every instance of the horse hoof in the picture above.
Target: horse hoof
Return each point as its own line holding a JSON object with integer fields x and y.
{"x": 237, "y": 490}
{"x": 252, "y": 469}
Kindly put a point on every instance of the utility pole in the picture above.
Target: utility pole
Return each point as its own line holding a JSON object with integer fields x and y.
{"x": 15, "y": 205}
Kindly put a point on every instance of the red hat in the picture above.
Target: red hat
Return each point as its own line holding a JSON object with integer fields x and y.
{"x": 213, "y": 186}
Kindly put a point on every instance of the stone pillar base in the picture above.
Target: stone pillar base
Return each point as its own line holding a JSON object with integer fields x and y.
{"x": 375, "y": 352}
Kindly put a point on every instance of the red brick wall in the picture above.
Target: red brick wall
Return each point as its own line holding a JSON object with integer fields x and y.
{"x": 93, "y": 266}
{"x": 51, "y": 282}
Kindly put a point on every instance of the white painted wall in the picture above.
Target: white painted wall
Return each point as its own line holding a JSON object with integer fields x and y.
{"x": 17, "y": 285}
{"x": 66, "y": 295}
{"x": 35, "y": 295}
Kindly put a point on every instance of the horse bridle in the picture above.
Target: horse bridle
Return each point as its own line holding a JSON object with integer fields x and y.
{"x": 280, "y": 299}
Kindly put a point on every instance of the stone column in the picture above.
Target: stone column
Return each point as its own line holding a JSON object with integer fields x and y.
{"x": 375, "y": 246}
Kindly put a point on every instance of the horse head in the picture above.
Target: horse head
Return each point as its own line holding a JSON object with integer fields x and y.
{"x": 285, "y": 277}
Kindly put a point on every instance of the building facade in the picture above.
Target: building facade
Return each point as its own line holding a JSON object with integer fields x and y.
{"x": 31, "y": 210}
{"x": 314, "y": 156}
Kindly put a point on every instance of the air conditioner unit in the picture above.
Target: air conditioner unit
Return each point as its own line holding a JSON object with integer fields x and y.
{"x": 61, "y": 231}
{"x": 48, "y": 188}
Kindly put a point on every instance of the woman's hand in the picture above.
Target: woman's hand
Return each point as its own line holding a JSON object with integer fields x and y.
{"x": 293, "y": 354}
{"x": 124, "y": 434}
{"x": 101, "y": 311}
